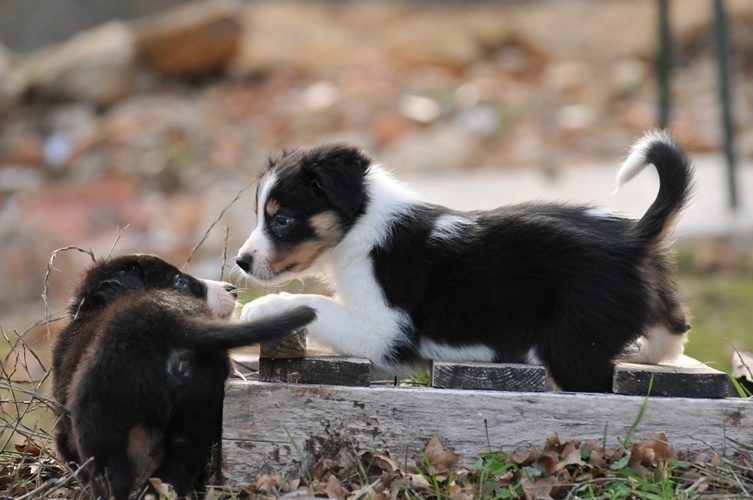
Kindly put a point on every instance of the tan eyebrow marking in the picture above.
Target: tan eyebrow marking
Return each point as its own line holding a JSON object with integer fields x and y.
{"x": 272, "y": 207}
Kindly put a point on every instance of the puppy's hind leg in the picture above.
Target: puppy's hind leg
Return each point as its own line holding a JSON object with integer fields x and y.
{"x": 657, "y": 345}
{"x": 577, "y": 368}
{"x": 112, "y": 477}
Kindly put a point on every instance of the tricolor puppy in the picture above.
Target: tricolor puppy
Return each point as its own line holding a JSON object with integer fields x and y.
{"x": 569, "y": 287}
{"x": 140, "y": 371}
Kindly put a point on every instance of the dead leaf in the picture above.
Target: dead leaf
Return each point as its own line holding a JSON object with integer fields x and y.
{"x": 553, "y": 443}
{"x": 523, "y": 458}
{"x": 540, "y": 489}
{"x": 382, "y": 461}
{"x": 335, "y": 489}
{"x": 546, "y": 463}
{"x": 319, "y": 469}
{"x": 28, "y": 449}
{"x": 661, "y": 447}
{"x": 437, "y": 456}
{"x": 707, "y": 457}
{"x": 264, "y": 482}
{"x": 636, "y": 462}
{"x": 597, "y": 458}
{"x": 572, "y": 458}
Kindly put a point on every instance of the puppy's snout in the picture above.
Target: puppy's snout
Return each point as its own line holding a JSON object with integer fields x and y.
{"x": 244, "y": 261}
{"x": 231, "y": 290}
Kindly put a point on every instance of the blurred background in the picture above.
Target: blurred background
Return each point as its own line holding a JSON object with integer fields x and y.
{"x": 134, "y": 124}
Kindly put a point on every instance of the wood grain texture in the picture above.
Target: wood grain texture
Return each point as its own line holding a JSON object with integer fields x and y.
{"x": 489, "y": 376}
{"x": 331, "y": 370}
{"x": 685, "y": 377}
{"x": 323, "y": 419}
{"x": 289, "y": 346}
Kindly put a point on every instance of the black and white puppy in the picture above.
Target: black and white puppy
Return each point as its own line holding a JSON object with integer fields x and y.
{"x": 570, "y": 287}
{"x": 140, "y": 371}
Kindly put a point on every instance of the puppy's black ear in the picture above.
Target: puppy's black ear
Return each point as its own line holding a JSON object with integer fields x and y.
{"x": 104, "y": 291}
{"x": 338, "y": 171}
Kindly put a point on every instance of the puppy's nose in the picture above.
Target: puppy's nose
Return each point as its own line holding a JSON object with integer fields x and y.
{"x": 231, "y": 290}
{"x": 244, "y": 261}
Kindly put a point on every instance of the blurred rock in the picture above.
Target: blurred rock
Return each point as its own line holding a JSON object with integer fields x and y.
{"x": 95, "y": 66}
{"x": 12, "y": 81}
{"x": 419, "y": 108}
{"x": 483, "y": 119}
{"x": 306, "y": 37}
{"x": 191, "y": 40}
{"x": 442, "y": 39}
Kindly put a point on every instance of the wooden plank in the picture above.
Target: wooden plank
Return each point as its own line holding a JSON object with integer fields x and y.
{"x": 289, "y": 346}
{"x": 247, "y": 365}
{"x": 332, "y": 370}
{"x": 685, "y": 377}
{"x": 322, "y": 420}
{"x": 489, "y": 376}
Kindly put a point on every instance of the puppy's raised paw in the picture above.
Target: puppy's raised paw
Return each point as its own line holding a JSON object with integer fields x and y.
{"x": 268, "y": 306}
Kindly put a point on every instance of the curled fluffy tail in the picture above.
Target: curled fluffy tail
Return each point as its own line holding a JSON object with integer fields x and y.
{"x": 219, "y": 336}
{"x": 675, "y": 181}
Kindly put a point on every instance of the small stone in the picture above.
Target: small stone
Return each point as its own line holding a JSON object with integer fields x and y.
{"x": 94, "y": 66}
{"x": 191, "y": 40}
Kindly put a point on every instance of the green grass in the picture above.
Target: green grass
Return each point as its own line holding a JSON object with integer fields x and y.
{"x": 721, "y": 308}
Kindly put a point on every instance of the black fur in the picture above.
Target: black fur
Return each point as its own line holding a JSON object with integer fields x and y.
{"x": 140, "y": 372}
{"x": 565, "y": 285}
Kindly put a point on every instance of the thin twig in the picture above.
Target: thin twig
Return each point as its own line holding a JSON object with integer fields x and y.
{"x": 56, "y": 483}
{"x": 214, "y": 223}
{"x": 224, "y": 251}
{"x": 117, "y": 239}
{"x": 47, "y": 282}
{"x": 742, "y": 360}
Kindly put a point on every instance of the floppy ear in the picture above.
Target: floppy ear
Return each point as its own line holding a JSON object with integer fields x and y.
{"x": 106, "y": 291}
{"x": 337, "y": 171}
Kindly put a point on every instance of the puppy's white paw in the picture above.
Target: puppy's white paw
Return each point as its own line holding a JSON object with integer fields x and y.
{"x": 268, "y": 305}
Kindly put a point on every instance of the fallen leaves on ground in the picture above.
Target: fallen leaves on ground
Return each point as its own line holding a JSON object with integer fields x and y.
{"x": 558, "y": 470}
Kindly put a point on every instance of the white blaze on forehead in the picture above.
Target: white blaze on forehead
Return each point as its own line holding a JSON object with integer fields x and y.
{"x": 257, "y": 244}
{"x": 265, "y": 187}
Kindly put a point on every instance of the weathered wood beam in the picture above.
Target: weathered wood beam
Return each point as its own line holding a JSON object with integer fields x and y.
{"x": 330, "y": 370}
{"x": 323, "y": 419}
{"x": 289, "y": 346}
{"x": 489, "y": 376}
{"x": 685, "y": 377}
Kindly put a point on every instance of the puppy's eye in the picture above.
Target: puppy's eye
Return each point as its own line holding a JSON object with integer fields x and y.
{"x": 281, "y": 221}
{"x": 180, "y": 282}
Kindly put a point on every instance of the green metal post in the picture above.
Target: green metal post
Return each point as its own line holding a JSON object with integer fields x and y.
{"x": 722, "y": 54}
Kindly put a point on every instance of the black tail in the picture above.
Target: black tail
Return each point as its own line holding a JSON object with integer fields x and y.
{"x": 218, "y": 336}
{"x": 675, "y": 182}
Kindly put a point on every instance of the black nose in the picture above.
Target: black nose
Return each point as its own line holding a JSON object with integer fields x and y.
{"x": 244, "y": 261}
{"x": 231, "y": 290}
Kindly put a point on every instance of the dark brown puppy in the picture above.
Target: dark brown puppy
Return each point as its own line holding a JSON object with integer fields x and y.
{"x": 140, "y": 371}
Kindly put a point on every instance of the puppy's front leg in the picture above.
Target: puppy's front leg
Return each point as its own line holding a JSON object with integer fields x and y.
{"x": 374, "y": 335}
